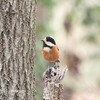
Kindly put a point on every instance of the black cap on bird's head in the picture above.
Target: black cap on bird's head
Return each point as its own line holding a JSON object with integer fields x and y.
{"x": 48, "y": 41}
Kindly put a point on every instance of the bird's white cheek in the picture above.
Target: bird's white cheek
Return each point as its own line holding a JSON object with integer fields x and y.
{"x": 46, "y": 49}
{"x": 49, "y": 43}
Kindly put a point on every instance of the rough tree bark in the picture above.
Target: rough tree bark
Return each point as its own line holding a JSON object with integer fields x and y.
{"x": 17, "y": 49}
{"x": 52, "y": 77}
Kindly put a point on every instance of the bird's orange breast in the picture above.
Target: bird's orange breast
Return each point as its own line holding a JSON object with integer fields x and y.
{"x": 51, "y": 55}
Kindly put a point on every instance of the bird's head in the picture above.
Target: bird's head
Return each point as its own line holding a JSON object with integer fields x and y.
{"x": 48, "y": 41}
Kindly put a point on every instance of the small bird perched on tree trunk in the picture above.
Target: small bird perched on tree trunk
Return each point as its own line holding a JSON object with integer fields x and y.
{"x": 53, "y": 75}
{"x": 50, "y": 52}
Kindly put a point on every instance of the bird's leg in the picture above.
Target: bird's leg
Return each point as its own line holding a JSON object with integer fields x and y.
{"x": 51, "y": 64}
{"x": 57, "y": 64}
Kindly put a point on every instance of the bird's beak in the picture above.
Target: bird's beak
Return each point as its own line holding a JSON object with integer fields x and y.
{"x": 42, "y": 40}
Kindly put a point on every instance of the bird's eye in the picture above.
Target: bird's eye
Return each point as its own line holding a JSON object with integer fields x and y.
{"x": 47, "y": 39}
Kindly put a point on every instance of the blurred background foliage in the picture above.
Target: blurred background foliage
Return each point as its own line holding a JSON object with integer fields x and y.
{"x": 75, "y": 24}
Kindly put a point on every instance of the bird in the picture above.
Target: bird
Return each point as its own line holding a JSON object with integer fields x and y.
{"x": 50, "y": 51}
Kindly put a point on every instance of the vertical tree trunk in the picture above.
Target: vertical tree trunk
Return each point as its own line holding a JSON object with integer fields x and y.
{"x": 17, "y": 49}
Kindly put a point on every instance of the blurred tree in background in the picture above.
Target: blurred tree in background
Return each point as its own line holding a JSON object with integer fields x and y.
{"x": 75, "y": 26}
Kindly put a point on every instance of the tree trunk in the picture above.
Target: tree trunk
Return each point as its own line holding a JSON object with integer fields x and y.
{"x": 52, "y": 77}
{"x": 17, "y": 49}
